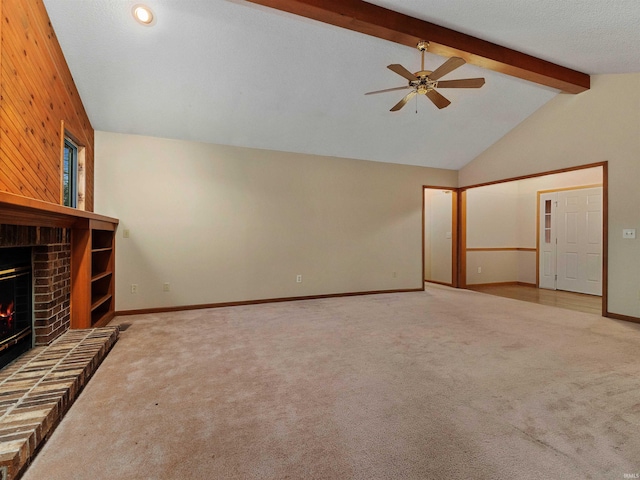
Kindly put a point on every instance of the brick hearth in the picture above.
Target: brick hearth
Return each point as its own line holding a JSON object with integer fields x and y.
{"x": 38, "y": 388}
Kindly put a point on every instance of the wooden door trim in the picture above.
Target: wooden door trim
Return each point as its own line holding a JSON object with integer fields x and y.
{"x": 605, "y": 239}
{"x": 455, "y": 257}
{"x": 535, "y": 175}
{"x": 462, "y": 240}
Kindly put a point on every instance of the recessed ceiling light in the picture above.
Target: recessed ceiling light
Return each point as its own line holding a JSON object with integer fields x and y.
{"x": 143, "y": 14}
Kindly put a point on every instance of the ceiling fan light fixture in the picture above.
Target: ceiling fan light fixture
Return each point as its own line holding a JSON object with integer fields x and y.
{"x": 143, "y": 15}
{"x": 425, "y": 82}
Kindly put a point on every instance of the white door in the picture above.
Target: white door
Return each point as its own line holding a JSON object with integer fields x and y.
{"x": 579, "y": 233}
{"x": 547, "y": 241}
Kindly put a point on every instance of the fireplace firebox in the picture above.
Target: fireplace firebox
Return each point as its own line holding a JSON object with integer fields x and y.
{"x": 16, "y": 300}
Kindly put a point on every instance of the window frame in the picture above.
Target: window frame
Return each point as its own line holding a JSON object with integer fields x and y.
{"x": 69, "y": 191}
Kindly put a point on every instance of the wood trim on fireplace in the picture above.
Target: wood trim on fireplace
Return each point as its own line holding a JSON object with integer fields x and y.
{"x": 18, "y": 210}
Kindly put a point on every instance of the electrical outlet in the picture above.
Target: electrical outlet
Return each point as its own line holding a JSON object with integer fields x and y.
{"x": 134, "y": 288}
{"x": 629, "y": 233}
{"x": 125, "y": 233}
{"x": 479, "y": 269}
{"x": 166, "y": 287}
{"x": 298, "y": 278}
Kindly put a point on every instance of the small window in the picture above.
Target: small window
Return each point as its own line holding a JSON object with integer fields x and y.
{"x": 70, "y": 174}
{"x": 547, "y": 221}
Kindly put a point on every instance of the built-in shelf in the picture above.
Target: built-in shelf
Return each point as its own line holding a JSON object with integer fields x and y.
{"x": 103, "y": 313}
{"x": 100, "y": 275}
{"x": 100, "y": 301}
{"x": 102, "y": 278}
{"x": 92, "y": 253}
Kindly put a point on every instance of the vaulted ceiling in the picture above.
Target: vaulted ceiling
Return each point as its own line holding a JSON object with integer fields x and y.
{"x": 236, "y": 73}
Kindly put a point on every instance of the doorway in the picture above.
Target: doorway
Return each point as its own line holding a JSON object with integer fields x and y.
{"x": 440, "y": 237}
{"x": 501, "y": 232}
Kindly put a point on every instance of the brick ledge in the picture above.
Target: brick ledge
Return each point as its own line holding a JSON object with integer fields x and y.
{"x": 39, "y": 387}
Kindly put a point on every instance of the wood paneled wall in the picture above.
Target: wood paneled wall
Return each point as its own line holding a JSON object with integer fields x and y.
{"x": 37, "y": 98}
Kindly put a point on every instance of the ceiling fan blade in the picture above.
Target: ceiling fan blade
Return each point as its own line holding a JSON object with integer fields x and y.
{"x": 437, "y": 99}
{"x": 404, "y": 101}
{"x": 447, "y": 67}
{"x": 403, "y": 72}
{"x": 462, "y": 83}
{"x": 388, "y": 90}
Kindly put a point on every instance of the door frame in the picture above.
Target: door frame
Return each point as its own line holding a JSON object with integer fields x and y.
{"x": 462, "y": 226}
{"x": 455, "y": 234}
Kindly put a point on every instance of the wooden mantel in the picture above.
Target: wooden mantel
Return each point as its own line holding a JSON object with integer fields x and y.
{"x": 17, "y": 210}
{"x": 92, "y": 247}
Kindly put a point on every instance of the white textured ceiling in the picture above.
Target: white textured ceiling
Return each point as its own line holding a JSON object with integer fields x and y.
{"x": 230, "y": 72}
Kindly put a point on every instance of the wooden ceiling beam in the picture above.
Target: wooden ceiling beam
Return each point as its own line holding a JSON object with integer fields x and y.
{"x": 396, "y": 27}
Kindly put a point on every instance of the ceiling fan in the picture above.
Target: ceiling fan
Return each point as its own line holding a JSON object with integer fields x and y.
{"x": 425, "y": 82}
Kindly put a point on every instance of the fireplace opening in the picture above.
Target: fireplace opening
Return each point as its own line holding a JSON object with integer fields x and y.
{"x": 16, "y": 299}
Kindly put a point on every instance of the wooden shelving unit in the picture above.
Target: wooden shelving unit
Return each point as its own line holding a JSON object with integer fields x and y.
{"x": 102, "y": 263}
{"x": 93, "y": 275}
{"x": 92, "y": 253}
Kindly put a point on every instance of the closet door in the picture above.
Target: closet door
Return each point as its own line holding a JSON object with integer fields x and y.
{"x": 579, "y": 233}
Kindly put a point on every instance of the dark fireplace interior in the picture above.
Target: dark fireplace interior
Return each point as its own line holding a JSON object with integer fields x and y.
{"x": 16, "y": 301}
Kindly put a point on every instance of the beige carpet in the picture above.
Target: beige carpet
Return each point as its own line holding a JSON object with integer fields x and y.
{"x": 443, "y": 384}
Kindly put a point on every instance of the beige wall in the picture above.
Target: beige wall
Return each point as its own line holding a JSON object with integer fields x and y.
{"x": 226, "y": 224}
{"x": 492, "y": 218}
{"x": 602, "y": 124}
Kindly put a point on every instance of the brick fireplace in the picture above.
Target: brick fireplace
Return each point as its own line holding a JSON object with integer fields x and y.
{"x": 52, "y": 289}
{"x": 69, "y": 256}
{"x": 47, "y": 251}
